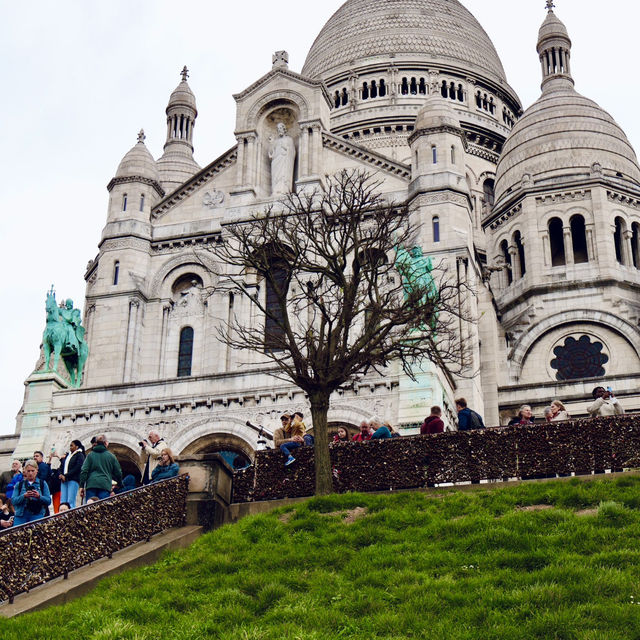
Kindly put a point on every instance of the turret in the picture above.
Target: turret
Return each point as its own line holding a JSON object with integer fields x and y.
{"x": 554, "y": 49}
{"x": 177, "y": 165}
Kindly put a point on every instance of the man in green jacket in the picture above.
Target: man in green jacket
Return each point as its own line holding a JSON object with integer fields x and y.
{"x": 98, "y": 471}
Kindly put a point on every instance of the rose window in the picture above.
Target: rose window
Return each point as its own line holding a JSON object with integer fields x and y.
{"x": 579, "y": 359}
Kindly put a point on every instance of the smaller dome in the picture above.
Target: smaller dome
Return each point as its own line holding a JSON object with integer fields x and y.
{"x": 138, "y": 163}
{"x": 182, "y": 95}
{"x": 559, "y": 138}
{"x": 436, "y": 112}
{"x": 552, "y": 27}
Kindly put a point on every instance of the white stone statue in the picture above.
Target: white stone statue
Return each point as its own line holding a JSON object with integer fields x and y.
{"x": 282, "y": 153}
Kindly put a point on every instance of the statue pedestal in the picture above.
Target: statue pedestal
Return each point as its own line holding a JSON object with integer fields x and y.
{"x": 36, "y": 411}
{"x": 415, "y": 399}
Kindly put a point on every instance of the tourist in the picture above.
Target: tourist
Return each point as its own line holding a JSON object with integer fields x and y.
{"x": 387, "y": 425}
{"x": 342, "y": 435}
{"x": 380, "y": 431}
{"x": 128, "y": 483}
{"x": 289, "y": 436}
{"x": 53, "y": 480}
{"x": 150, "y": 452}
{"x": 69, "y": 472}
{"x": 16, "y": 468}
{"x": 365, "y": 432}
{"x": 98, "y": 471}
{"x": 525, "y": 416}
{"x": 166, "y": 468}
{"x": 433, "y": 422}
{"x": 467, "y": 418}
{"x": 605, "y": 403}
{"x": 297, "y": 420}
{"x": 558, "y": 412}
{"x": 31, "y": 497}
{"x": 7, "y": 512}
{"x": 43, "y": 468}
{"x": 7, "y": 476}
{"x": 548, "y": 413}
{"x": 64, "y": 506}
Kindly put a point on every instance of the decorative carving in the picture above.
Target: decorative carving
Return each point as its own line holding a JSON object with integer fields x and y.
{"x": 280, "y": 60}
{"x": 282, "y": 153}
{"x": 213, "y": 199}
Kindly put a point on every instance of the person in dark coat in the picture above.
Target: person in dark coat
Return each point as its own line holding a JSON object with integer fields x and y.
{"x": 525, "y": 416}
{"x": 467, "y": 418}
{"x": 69, "y": 472}
{"x": 433, "y": 423}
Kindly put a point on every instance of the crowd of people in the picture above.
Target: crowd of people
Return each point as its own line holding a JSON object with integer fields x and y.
{"x": 36, "y": 489}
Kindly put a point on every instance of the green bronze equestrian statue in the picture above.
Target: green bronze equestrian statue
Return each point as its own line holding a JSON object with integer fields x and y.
{"x": 64, "y": 335}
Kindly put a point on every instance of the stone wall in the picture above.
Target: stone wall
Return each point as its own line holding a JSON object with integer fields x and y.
{"x": 500, "y": 453}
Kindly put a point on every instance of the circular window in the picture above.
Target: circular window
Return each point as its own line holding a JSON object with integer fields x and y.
{"x": 579, "y": 358}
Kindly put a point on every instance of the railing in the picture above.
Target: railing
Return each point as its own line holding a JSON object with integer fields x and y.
{"x": 34, "y": 553}
{"x": 501, "y": 453}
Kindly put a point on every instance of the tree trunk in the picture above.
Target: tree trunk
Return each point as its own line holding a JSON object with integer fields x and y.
{"x": 319, "y": 411}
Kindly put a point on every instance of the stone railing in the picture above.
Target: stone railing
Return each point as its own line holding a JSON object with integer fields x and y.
{"x": 32, "y": 554}
{"x": 500, "y": 453}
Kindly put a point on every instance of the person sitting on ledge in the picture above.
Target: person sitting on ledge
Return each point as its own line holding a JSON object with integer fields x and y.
{"x": 365, "y": 432}
{"x": 296, "y": 423}
{"x": 467, "y": 418}
{"x": 31, "y": 497}
{"x": 289, "y": 437}
{"x": 525, "y": 416}
{"x": 605, "y": 403}
{"x": 433, "y": 422}
{"x": 167, "y": 467}
{"x": 558, "y": 412}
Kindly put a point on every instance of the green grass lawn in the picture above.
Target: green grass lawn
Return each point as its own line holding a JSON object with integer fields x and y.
{"x": 455, "y": 565}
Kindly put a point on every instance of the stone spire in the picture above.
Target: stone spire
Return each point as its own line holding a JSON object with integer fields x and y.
{"x": 177, "y": 165}
{"x": 554, "y": 49}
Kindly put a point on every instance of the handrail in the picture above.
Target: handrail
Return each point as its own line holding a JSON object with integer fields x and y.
{"x": 37, "y": 552}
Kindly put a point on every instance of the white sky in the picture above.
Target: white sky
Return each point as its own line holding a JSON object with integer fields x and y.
{"x": 82, "y": 77}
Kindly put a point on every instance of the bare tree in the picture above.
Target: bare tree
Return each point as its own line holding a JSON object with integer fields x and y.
{"x": 344, "y": 293}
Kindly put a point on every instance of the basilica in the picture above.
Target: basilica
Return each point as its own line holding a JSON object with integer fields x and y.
{"x": 536, "y": 211}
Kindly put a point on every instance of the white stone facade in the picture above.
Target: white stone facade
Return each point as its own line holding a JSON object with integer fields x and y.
{"x": 418, "y": 96}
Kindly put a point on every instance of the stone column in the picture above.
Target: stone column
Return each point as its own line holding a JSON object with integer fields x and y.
{"x": 304, "y": 151}
{"x": 568, "y": 245}
{"x": 130, "y": 348}
{"x": 546, "y": 249}
{"x": 627, "y": 249}
{"x": 515, "y": 263}
{"x": 163, "y": 340}
{"x": 316, "y": 146}
{"x": 240, "y": 161}
{"x": 250, "y": 177}
{"x": 591, "y": 247}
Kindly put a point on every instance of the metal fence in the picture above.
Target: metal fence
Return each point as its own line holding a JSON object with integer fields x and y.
{"x": 34, "y": 553}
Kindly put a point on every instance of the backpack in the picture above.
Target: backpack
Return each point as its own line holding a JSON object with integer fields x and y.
{"x": 475, "y": 421}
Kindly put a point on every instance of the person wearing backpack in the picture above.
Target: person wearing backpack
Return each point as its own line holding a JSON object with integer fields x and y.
{"x": 467, "y": 418}
{"x": 31, "y": 497}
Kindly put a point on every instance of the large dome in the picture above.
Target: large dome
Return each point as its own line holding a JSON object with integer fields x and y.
{"x": 559, "y": 138}
{"x": 435, "y": 30}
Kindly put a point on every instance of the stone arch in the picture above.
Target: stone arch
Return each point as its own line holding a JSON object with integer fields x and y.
{"x": 260, "y": 107}
{"x": 528, "y": 339}
{"x": 220, "y": 441}
{"x": 199, "y": 262}
{"x": 203, "y": 432}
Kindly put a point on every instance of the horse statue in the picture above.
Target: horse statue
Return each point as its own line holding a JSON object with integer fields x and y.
{"x": 64, "y": 336}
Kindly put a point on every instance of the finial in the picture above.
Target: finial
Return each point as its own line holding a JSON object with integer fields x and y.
{"x": 550, "y": 5}
{"x": 280, "y": 60}
{"x": 184, "y": 73}
{"x": 141, "y": 136}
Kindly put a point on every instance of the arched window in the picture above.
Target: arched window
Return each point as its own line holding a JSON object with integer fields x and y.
{"x": 460, "y": 93}
{"x": 124, "y": 202}
{"x": 556, "y": 242}
{"x": 443, "y": 89}
{"x": 488, "y": 188}
{"x": 618, "y": 238}
{"x": 579, "y": 239}
{"x": 345, "y": 97}
{"x": 336, "y": 102}
{"x": 277, "y": 285}
{"x": 434, "y": 154}
{"x": 453, "y": 154}
{"x": 185, "y": 352}
{"x": 635, "y": 245}
{"x": 374, "y": 89}
{"x": 404, "y": 87}
{"x": 116, "y": 271}
{"x": 517, "y": 239}
{"x": 422, "y": 87}
{"x": 382, "y": 88}
{"x": 504, "y": 249}
{"x": 413, "y": 87}
{"x": 435, "y": 223}
{"x": 365, "y": 91}
{"x": 142, "y": 202}
{"x": 478, "y": 100}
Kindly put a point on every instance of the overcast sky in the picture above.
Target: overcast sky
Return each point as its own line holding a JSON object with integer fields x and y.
{"x": 82, "y": 77}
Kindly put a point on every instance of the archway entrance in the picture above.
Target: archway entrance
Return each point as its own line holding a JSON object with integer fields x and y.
{"x": 128, "y": 459}
{"x": 236, "y": 452}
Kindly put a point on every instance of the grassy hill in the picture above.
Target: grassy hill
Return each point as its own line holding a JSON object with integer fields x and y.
{"x": 541, "y": 560}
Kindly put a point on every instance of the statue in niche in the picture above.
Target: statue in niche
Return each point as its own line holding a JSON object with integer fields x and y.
{"x": 282, "y": 153}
